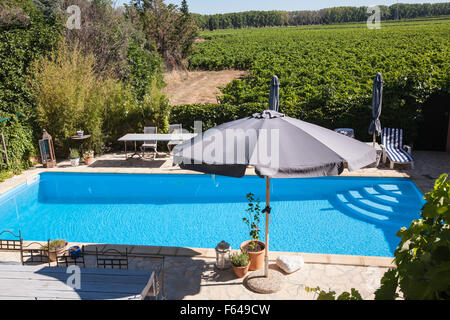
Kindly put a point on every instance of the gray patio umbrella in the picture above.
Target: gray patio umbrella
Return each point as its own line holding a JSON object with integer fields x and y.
{"x": 274, "y": 97}
{"x": 377, "y": 101}
{"x": 277, "y": 146}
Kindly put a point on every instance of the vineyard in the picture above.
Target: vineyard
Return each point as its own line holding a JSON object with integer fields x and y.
{"x": 326, "y": 71}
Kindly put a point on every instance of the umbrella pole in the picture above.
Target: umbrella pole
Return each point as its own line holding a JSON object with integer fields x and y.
{"x": 266, "y": 257}
{"x": 374, "y": 140}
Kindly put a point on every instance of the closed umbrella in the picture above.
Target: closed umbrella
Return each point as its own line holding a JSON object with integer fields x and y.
{"x": 277, "y": 146}
{"x": 377, "y": 102}
{"x": 274, "y": 97}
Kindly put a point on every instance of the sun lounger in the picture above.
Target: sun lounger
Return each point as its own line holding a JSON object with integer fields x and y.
{"x": 393, "y": 148}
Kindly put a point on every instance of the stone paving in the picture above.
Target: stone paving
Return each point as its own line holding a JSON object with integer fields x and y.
{"x": 193, "y": 276}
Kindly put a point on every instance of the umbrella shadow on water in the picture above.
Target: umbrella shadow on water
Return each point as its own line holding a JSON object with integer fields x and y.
{"x": 388, "y": 227}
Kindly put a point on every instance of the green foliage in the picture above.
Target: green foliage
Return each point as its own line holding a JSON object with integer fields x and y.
{"x": 25, "y": 35}
{"x": 68, "y": 97}
{"x": 253, "y": 218}
{"x": 143, "y": 67}
{"x": 121, "y": 113}
{"x": 326, "y": 72}
{"x": 423, "y": 255}
{"x": 106, "y": 33}
{"x": 19, "y": 144}
{"x": 171, "y": 29}
{"x": 87, "y": 155}
{"x": 241, "y": 259}
{"x": 55, "y": 245}
{"x": 74, "y": 154}
{"x": 331, "y": 295}
{"x": 211, "y": 115}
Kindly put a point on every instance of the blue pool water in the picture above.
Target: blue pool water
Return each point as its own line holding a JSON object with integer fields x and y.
{"x": 334, "y": 215}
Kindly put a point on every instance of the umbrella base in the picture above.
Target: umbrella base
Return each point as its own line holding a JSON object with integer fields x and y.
{"x": 260, "y": 284}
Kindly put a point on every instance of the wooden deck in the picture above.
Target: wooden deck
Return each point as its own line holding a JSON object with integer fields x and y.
{"x": 50, "y": 283}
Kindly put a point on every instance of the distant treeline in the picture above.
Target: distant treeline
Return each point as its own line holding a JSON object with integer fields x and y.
{"x": 258, "y": 19}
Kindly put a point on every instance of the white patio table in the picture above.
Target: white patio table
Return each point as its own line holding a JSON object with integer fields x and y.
{"x": 51, "y": 283}
{"x": 141, "y": 137}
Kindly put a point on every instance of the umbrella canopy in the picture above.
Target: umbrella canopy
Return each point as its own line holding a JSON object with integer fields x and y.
{"x": 274, "y": 97}
{"x": 377, "y": 101}
{"x": 278, "y": 147}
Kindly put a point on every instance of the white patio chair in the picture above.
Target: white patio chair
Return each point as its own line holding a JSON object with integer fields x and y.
{"x": 152, "y": 144}
{"x": 174, "y": 128}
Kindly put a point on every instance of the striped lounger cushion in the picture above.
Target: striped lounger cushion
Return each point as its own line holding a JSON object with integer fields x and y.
{"x": 393, "y": 141}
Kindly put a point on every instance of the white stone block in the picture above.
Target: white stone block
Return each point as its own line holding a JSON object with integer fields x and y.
{"x": 290, "y": 264}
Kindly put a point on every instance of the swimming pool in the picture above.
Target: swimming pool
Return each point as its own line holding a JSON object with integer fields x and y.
{"x": 333, "y": 215}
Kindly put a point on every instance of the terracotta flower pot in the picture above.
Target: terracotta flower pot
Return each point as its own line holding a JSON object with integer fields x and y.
{"x": 56, "y": 252}
{"x": 256, "y": 257}
{"x": 241, "y": 271}
{"x": 88, "y": 161}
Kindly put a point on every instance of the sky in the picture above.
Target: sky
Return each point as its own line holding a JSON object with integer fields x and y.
{"x": 216, "y": 6}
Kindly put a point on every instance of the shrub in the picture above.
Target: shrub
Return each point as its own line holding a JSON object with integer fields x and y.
{"x": 55, "y": 244}
{"x": 25, "y": 35}
{"x": 74, "y": 154}
{"x": 67, "y": 97}
{"x": 241, "y": 259}
{"x": 423, "y": 255}
{"x": 144, "y": 67}
{"x": 211, "y": 115}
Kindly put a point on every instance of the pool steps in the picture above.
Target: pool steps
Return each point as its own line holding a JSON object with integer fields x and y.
{"x": 378, "y": 203}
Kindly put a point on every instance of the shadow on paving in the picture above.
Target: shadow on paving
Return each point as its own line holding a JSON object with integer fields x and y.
{"x": 130, "y": 163}
{"x": 182, "y": 274}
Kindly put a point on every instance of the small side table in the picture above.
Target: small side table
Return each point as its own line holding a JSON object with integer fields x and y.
{"x": 82, "y": 139}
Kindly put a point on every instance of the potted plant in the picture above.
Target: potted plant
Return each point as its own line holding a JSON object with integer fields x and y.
{"x": 241, "y": 263}
{"x": 88, "y": 157}
{"x": 56, "y": 249}
{"x": 74, "y": 157}
{"x": 254, "y": 247}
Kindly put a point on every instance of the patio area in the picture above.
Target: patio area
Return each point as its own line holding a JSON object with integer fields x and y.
{"x": 196, "y": 278}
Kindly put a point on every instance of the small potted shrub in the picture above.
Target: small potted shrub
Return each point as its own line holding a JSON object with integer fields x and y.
{"x": 254, "y": 247}
{"x": 241, "y": 263}
{"x": 74, "y": 157}
{"x": 88, "y": 157}
{"x": 56, "y": 249}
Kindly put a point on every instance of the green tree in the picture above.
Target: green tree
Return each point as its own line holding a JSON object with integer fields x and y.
{"x": 172, "y": 30}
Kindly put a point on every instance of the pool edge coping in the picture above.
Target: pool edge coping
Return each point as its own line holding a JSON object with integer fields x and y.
{"x": 15, "y": 181}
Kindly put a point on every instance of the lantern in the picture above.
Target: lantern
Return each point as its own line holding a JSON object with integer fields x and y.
{"x": 223, "y": 255}
{"x": 47, "y": 150}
